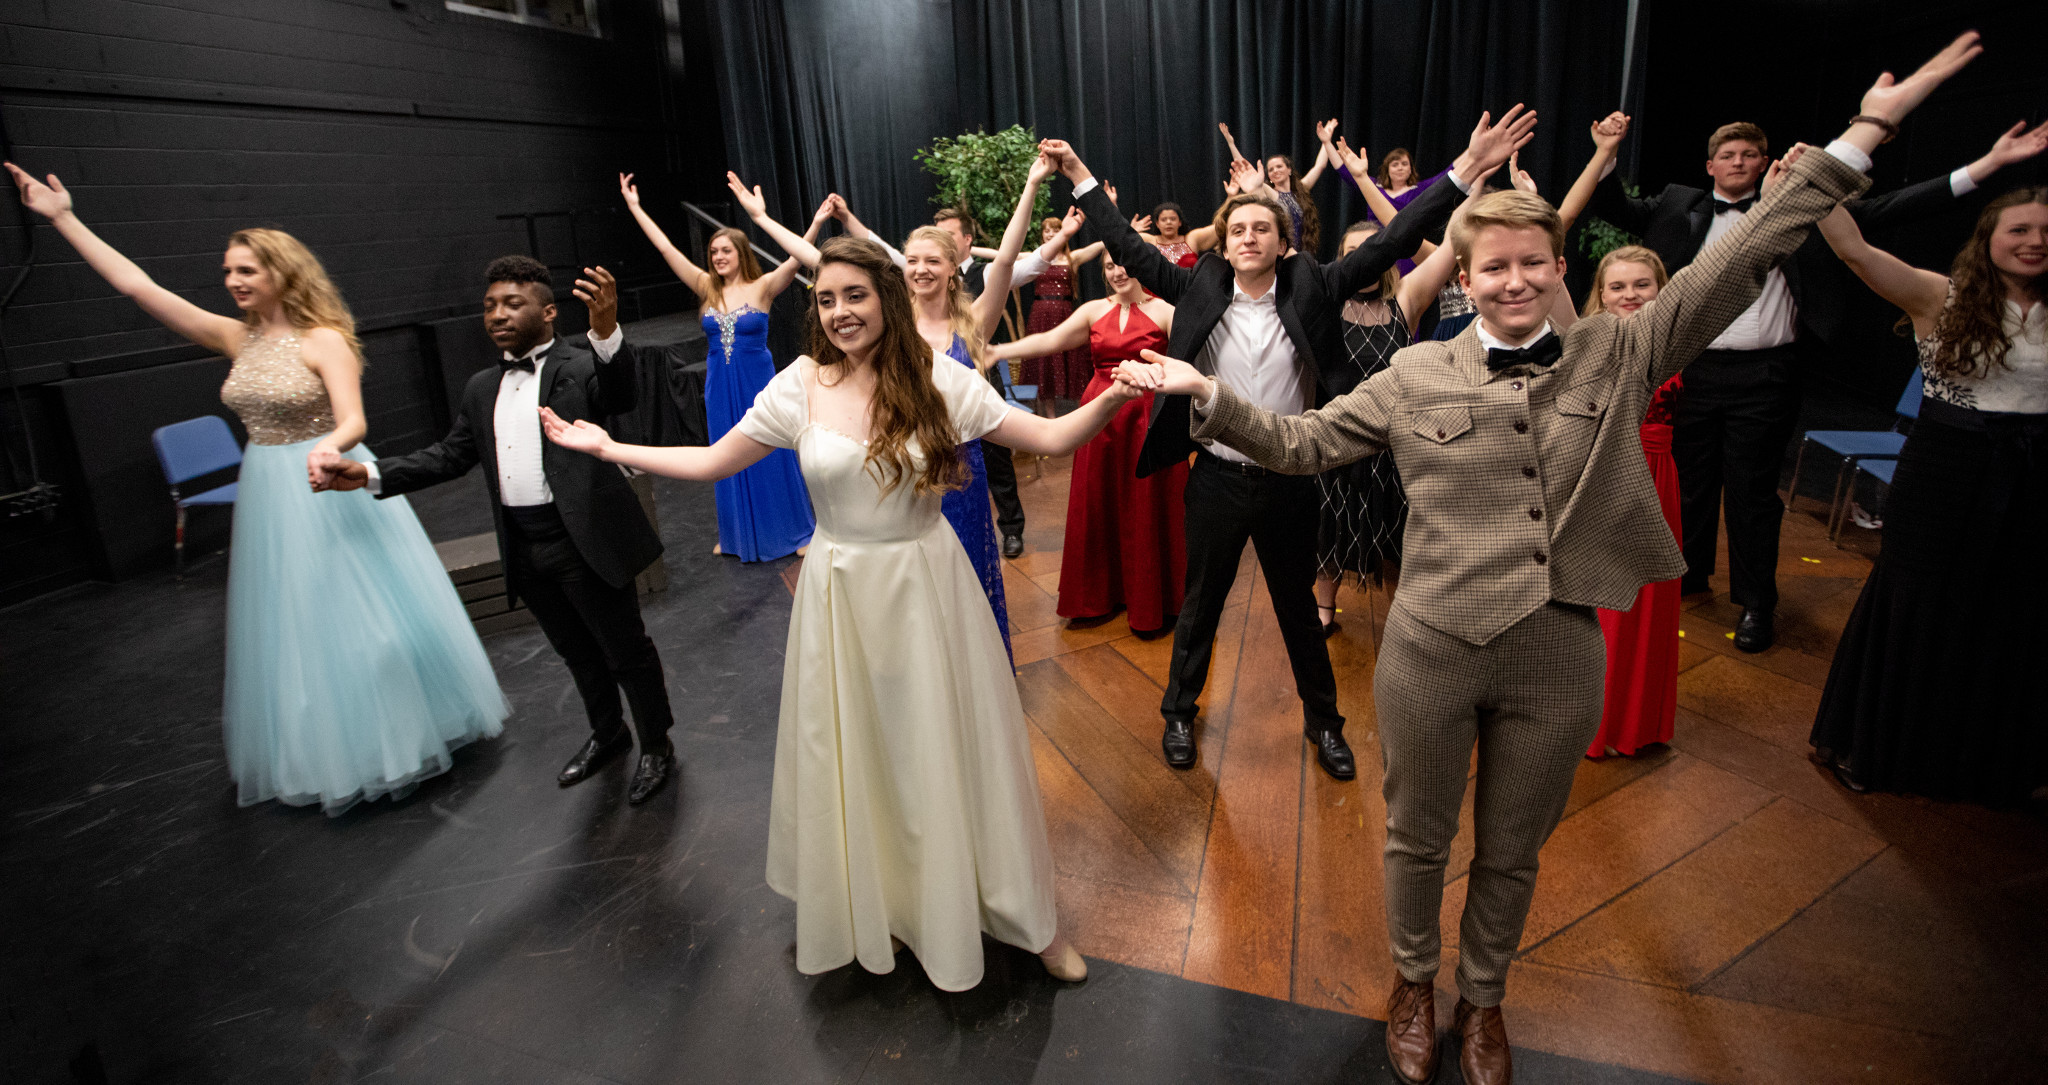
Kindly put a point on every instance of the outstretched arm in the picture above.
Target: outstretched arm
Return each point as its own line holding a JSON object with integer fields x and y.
{"x": 1419, "y": 288}
{"x": 771, "y": 285}
{"x": 53, "y": 202}
{"x": 1140, "y": 258}
{"x": 1608, "y": 133}
{"x": 1361, "y": 175}
{"x": 1031, "y": 433}
{"x": 1935, "y": 195}
{"x": 854, "y": 227}
{"x": 1350, "y": 427}
{"x": 995, "y": 291}
{"x": 731, "y": 454}
{"x": 1920, "y": 293}
{"x": 1070, "y": 334}
{"x": 694, "y": 277}
{"x": 1325, "y": 154}
{"x": 756, "y": 207}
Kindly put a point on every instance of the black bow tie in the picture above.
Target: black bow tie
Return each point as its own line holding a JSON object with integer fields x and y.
{"x": 1542, "y": 353}
{"x": 1737, "y": 206}
{"x": 525, "y": 363}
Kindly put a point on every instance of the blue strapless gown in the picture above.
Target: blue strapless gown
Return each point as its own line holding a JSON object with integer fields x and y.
{"x": 974, "y": 520}
{"x": 352, "y": 669}
{"x": 764, "y": 512}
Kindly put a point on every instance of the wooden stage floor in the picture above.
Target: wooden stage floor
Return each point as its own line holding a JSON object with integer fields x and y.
{"x": 1719, "y": 910}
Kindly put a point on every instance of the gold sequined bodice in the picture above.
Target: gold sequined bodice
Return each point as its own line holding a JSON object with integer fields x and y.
{"x": 279, "y": 400}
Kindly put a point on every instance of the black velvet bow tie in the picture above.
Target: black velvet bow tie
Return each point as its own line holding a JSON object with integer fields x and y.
{"x": 1737, "y": 206}
{"x": 525, "y": 363}
{"x": 1544, "y": 352}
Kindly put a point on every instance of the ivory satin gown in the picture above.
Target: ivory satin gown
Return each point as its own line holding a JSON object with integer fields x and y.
{"x": 905, "y": 797}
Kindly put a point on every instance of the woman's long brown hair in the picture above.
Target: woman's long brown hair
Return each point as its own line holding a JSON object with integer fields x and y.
{"x": 1970, "y": 333}
{"x": 906, "y": 407}
{"x": 713, "y": 288}
{"x": 1311, "y": 220}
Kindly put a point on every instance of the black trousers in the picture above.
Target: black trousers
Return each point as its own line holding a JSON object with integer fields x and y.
{"x": 1001, "y": 464}
{"x": 592, "y": 625}
{"x": 1228, "y": 504}
{"x": 1728, "y": 436}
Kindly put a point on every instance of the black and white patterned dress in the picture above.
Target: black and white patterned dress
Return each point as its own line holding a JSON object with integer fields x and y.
{"x": 1364, "y": 508}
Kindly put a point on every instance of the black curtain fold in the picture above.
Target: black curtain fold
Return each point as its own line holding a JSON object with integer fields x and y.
{"x": 825, "y": 97}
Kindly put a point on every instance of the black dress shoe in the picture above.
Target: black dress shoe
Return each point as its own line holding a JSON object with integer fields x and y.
{"x": 1334, "y": 754}
{"x": 1013, "y": 545}
{"x": 1753, "y": 631}
{"x": 1178, "y": 742}
{"x": 652, "y": 772}
{"x": 594, "y": 753}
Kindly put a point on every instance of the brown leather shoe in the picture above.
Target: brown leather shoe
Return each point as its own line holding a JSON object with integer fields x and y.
{"x": 1483, "y": 1045}
{"x": 1411, "y": 1031}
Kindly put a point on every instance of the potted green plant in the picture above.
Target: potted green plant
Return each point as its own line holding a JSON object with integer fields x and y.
{"x": 982, "y": 173}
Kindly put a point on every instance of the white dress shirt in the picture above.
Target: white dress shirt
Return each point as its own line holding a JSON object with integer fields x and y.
{"x": 1772, "y": 319}
{"x": 1249, "y": 350}
{"x": 515, "y": 425}
{"x": 1495, "y": 342}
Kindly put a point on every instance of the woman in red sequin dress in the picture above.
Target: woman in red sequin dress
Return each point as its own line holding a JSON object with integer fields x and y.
{"x": 1642, "y": 642}
{"x": 1062, "y": 374}
{"x": 1124, "y": 545}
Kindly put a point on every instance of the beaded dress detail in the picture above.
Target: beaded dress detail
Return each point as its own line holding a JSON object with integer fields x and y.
{"x": 764, "y": 512}
{"x": 279, "y": 400}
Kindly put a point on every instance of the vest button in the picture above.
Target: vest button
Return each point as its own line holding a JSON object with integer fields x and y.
{"x": 1521, "y": 427}
{"x": 1535, "y": 514}
{"x": 1528, "y": 472}
{"x": 1439, "y": 435}
{"x": 1540, "y": 558}
{"x": 1517, "y": 386}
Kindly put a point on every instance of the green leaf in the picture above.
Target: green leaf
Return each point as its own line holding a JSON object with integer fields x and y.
{"x": 982, "y": 174}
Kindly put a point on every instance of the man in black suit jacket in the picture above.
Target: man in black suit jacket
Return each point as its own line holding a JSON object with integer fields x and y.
{"x": 571, "y": 531}
{"x": 1741, "y": 399}
{"x": 1270, "y": 320}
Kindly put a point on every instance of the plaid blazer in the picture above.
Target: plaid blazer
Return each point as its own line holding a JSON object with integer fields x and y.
{"x": 1529, "y": 485}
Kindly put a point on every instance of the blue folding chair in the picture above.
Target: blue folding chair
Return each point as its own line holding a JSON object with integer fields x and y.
{"x": 1881, "y": 470}
{"x": 1015, "y": 395}
{"x": 187, "y": 450}
{"x": 1856, "y": 445}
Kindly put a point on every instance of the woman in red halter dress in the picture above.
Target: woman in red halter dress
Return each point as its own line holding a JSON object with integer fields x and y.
{"x": 1124, "y": 545}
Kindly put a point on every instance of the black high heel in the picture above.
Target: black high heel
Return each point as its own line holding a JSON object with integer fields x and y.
{"x": 1330, "y": 624}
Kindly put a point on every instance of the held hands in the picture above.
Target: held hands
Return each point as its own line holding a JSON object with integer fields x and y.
{"x": 1042, "y": 167}
{"x": 327, "y": 469}
{"x": 1781, "y": 167}
{"x": 1064, "y": 159}
{"x": 1159, "y": 373}
{"x": 48, "y": 200}
{"x": 751, "y": 200}
{"x": 599, "y": 292}
{"x": 1609, "y": 131}
{"x": 826, "y": 211}
{"x": 1893, "y": 99}
{"x": 629, "y": 190}
{"x": 585, "y": 437}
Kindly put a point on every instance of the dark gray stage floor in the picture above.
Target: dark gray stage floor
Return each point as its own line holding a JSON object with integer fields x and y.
{"x": 492, "y": 927}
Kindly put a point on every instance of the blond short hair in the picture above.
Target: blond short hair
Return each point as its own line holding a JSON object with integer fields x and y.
{"x": 1511, "y": 209}
{"x": 1742, "y": 130}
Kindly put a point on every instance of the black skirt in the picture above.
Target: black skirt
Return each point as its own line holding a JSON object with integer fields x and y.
{"x": 1937, "y": 686}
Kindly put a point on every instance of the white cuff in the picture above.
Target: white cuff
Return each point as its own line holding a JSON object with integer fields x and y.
{"x": 1961, "y": 183}
{"x": 1464, "y": 186}
{"x": 1084, "y": 186}
{"x": 1028, "y": 268}
{"x": 609, "y": 345}
{"x": 1849, "y": 155}
{"x": 1612, "y": 164}
{"x": 895, "y": 254}
{"x": 376, "y": 483}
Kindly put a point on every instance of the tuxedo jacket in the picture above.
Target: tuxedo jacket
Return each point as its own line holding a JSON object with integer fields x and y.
{"x": 1310, "y": 301}
{"x": 1674, "y": 222}
{"x": 597, "y": 505}
{"x": 1528, "y": 485}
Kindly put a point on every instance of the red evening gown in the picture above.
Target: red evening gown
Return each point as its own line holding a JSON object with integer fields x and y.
{"x": 1062, "y": 375}
{"x": 1642, "y": 642}
{"x": 1124, "y": 542}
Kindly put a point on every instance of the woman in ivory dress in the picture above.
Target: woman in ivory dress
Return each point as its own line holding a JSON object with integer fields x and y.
{"x": 905, "y": 802}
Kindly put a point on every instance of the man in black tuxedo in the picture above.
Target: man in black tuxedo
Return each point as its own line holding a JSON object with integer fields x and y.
{"x": 1268, "y": 320}
{"x": 1741, "y": 399}
{"x": 571, "y": 531}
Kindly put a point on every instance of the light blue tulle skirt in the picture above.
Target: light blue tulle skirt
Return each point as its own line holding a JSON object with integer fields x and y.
{"x": 352, "y": 668}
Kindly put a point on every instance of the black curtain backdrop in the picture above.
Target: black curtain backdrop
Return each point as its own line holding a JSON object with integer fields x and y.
{"x": 824, "y": 97}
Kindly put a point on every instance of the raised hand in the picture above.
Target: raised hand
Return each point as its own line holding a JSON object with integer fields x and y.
{"x": 1235, "y": 154}
{"x": 1353, "y": 160}
{"x": 1064, "y": 157}
{"x": 1248, "y": 176}
{"x": 1141, "y": 223}
{"x": 1781, "y": 167}
{"x": 586, "y": 437}
{"x": 48, "y": 200}
{"x": 1326, "y": 129}
{"x": 839, "y": 208}
{"x": 1893, "y": 99}
{"x": 2016, "y": 145}
{"x": 1042, "y": 167}
{"x": 1492, "y": 143}
{"x": 1522, "y": 181}
{"x": 600, "y": 292}
{"x": 1071, "y": 222}
{"x": 629, "y": 190}
{"x": 825, "y": 212}
{"x": 1609, "y": 131}
{"x": 1110, "y": 191}
{"x": 751, "y": 200}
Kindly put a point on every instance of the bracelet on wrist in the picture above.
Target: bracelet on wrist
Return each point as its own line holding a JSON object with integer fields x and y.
{"x": 1891, "y": 131}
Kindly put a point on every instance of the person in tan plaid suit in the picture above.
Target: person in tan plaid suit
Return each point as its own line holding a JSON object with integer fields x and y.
{"x": 1530, "y": 504}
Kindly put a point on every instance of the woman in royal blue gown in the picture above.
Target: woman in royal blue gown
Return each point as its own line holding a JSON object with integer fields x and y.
{"x": 764, "y": 512}
{"x": 353, "y": 671}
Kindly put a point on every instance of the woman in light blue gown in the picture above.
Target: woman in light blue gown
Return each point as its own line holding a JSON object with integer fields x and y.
{"x": 764, "y": 512}
{"x": 352, "y": 669}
